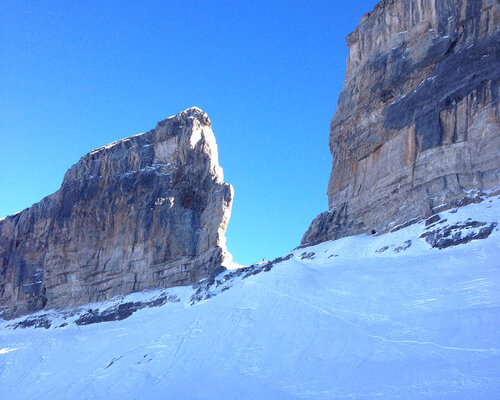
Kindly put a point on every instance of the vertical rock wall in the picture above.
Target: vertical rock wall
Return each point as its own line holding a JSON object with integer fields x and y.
{"x": 143, "y": 212}
{"x": 417, "y": 123}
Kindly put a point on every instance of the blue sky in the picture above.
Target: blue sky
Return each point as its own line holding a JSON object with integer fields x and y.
{"x": 77, "y": 75}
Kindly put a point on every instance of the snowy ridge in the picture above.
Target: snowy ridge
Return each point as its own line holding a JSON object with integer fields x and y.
{"x": 127, "y": 139}
{"x": 362, "y": 317}
{"x": 113, "y": 144}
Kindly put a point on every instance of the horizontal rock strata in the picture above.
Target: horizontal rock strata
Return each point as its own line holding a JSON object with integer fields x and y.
{"x": 147, "y": 211}
{"x": 417, "y": 123}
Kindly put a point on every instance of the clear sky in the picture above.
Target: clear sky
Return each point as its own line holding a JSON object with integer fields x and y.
{"x": 76, "y": 75}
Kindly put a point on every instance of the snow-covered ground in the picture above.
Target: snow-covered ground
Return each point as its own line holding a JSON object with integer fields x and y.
{"x": 363, "y": 317}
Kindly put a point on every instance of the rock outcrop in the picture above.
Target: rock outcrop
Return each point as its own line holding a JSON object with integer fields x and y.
{"x": 417, "y": 123}
{"x": 147, "y": 211}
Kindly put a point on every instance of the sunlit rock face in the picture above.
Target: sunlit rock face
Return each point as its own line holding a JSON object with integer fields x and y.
{"x": 147, "y": 211}
{"x": 417, "y": 123}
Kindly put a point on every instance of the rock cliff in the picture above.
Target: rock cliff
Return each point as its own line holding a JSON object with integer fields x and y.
{"x": 417, "y": 123}
{"x": 147, "y": 211}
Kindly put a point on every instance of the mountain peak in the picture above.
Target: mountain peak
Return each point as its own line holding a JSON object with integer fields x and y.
{"x": 146, "y": 211}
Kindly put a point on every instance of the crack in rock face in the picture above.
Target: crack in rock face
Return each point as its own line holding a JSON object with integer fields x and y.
{"x": 143, "y": 212}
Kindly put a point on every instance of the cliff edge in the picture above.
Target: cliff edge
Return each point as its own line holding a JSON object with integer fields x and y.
{"x": 147, "y": 211}
{"x": 416, "y": 129}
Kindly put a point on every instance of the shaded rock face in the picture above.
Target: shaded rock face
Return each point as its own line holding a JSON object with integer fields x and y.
{"x": 417, "y": 122}
{"x": 147, "y": 211}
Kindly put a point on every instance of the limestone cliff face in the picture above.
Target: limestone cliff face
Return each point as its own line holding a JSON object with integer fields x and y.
{"x": 417, "y": 123}
{"x": 147, "y": 211}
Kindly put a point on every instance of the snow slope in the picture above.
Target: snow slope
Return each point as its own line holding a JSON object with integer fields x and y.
{"x": 363, "y": 317}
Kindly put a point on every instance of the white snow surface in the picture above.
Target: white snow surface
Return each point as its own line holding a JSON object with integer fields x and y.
{"x": 346, "y": 322}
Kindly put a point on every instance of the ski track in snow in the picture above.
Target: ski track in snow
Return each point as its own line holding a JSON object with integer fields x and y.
{"x": 322, "y": 310}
